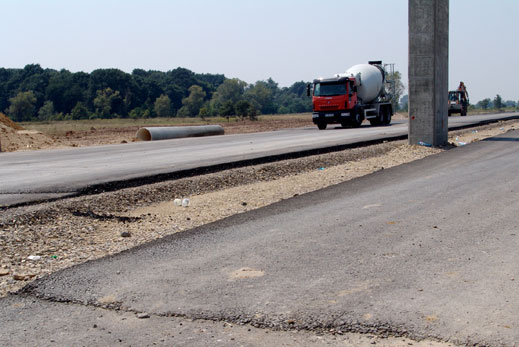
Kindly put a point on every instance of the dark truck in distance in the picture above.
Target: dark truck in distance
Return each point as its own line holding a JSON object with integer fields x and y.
{"x": 458, "y": 102}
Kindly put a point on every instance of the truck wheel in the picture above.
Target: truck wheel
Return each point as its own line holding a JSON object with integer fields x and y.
{"x": 380, "y": 119}
{"x": 321, "y": 125}
{"x": 356, "y": 120}
{"x": 387, "y": 117}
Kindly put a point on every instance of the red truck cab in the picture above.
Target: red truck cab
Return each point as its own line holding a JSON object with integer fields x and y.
{"x": 334, "y": 100}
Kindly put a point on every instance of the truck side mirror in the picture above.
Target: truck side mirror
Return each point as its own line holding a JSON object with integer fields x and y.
{"x": 308, "y": 89}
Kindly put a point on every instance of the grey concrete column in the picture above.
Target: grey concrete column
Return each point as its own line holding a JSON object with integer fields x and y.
{"x": 428, "y": 71}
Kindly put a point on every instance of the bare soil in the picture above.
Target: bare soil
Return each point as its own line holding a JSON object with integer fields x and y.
{"x": 13, "y": 137}
{"x": 98, "y": 136}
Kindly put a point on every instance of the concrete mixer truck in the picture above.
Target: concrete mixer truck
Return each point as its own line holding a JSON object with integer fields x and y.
{"x": 350, "y": 97}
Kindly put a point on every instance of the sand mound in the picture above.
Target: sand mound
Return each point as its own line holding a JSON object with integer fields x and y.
{"x": 15, "y": 138}
{"x": 9, "y": 123}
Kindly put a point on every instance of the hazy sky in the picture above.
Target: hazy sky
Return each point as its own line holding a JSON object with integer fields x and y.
{"x": 288, "y": 40}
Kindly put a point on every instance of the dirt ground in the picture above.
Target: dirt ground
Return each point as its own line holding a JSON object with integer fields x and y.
{"x": 15, "y": 138}
{"x": 127, "y": 134}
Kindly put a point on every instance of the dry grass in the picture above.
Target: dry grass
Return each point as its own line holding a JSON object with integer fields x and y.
{"x": 60, "y": 128}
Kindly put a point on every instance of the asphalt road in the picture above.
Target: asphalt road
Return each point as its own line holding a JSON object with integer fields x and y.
{"x": 425, "y": 249}
{"x": 37, "y": 175}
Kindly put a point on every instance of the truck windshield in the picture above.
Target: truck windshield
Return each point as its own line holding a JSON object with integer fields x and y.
{"x": 328, "y": 89}
{"x": 453, "y": 96}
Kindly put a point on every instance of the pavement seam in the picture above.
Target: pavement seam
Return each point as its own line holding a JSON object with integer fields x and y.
{"x": 335, "y": 325}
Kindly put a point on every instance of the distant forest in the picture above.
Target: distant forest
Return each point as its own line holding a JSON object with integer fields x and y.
{"x": 34, "y": 93}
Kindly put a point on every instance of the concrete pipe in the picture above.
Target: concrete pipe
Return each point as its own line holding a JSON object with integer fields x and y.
{"x": 166, "y": 133}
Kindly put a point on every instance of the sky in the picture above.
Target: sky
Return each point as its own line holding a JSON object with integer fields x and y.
{"x": 286, "y": 40}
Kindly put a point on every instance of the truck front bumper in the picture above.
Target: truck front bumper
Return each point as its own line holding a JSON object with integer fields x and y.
{"x": 455, "y": 108}
{"x": 330, "y": 117}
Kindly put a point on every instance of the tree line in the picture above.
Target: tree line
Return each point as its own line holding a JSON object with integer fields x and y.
{"x": 34, "y": 93}
{"x": 496, "y": 103}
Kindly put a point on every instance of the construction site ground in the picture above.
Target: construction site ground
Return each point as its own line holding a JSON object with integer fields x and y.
{"x": 66, "y": 232}
{"x": 49, "y": 135}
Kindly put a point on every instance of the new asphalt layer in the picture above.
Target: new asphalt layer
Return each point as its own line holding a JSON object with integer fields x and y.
{"x": 426, "y": 249}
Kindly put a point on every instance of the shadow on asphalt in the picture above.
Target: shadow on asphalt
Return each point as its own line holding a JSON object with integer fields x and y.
{"x": 502, "y": 139}
{"x": 363, "y": 126}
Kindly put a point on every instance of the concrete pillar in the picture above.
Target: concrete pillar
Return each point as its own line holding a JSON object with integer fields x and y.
{"x": 428, "y": 71}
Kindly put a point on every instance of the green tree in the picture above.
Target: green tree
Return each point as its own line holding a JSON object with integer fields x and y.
{"x": 139, "y": 89}
{"x": 203, "y": 113}
{"x": 231, "y": 90}
{"x": 136, "y": 113}
{"x": 252, "y": 112}
{"x": 299, "y": 89}
{"x": 227, "y": 109}
{"x": 498, "y": 102}
{"x": 65, "y": 89}
{"x": 283, "y": 110}
{"x": 242, "y": 108}
{"x": 261, "y": 95}
{"x": 162, "y": 106}
{"x": 80, "y": 111}
{"x": 183, "y": 112}
{"x": 146, "y": 114}
{"x": 104, "y": 100}
{"x": 22, "y": 106}
{"x": 483, "y": 104}
{"x": 46, "y": 111}
{"x": 118, "y": 82}
{"x": 193, "y": 103}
